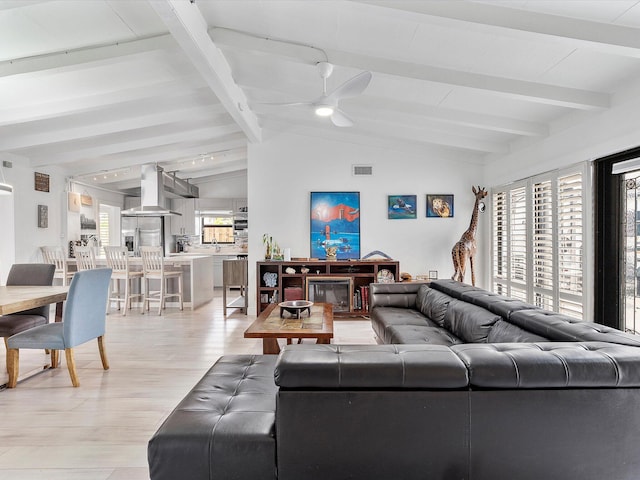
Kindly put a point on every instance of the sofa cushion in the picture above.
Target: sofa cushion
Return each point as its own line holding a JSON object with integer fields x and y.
{"x": 432, "y": 303}
{"x": 369, "y": 366}
{"x": 407, "y": 334}
{"x": 229, "y": 414}
{"x": 564, "y": 328}
{"x": 550, "y": 365}
{"x": 503, "y": 331}
{"x": 453, "y": 288}
{"x": 469, "y": 322}
{"x": 384, "y": 317}
{"x": 498, "y": 304}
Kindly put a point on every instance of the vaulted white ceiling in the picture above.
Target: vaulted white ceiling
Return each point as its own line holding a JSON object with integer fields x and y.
{"x": 100, "y": 87}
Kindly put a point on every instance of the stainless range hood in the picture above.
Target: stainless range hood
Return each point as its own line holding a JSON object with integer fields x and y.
{"x": 155, "y": 187}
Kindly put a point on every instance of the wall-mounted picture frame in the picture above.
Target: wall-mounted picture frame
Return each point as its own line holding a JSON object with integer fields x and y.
{"x": 433, "y": 274}
{"x": 73, "y": 202}
{"x": 87, "y": 223}
{"x": 86, "y": 200}
{"x": 335, "y": 224}
{"x": 440, "y": 205}
{"x": 43, "y": 216}
{"x": 401, "y": 207}
{"x": 41, "y": 182}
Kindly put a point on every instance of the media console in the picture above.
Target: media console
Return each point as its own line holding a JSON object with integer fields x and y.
{"x": 343, "y": 283}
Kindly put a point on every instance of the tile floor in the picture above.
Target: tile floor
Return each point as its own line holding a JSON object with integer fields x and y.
{"x": 99, "y": 431}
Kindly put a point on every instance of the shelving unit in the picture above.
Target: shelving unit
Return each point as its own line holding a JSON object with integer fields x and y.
{"x": 296, "y": 285}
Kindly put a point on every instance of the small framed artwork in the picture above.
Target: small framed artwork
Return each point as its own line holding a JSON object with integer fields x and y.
{"x": 73, "y": 202}
{"x": 43, "y": 216}
{"x": 86, "y": 200}
{"x": 41, "y": 182}
{"x": 440, "y": 205}
{"x": 335, "y": 224}
{"x": 433, "y": 274}
{"x": 401, "y": 206}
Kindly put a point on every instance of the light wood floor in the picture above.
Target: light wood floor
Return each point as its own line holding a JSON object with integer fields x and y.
{"x": 99, "y": 431}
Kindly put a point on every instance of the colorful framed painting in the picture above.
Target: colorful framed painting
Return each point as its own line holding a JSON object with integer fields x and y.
{"x": 440, "y": 206}
{"x": 401, "y": 206}
{"x": 335, "y": 224}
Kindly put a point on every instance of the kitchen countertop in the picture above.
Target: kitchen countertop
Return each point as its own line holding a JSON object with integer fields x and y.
{"x": 224, "y": 251}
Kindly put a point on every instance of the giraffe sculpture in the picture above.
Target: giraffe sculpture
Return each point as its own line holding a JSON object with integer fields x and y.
{"x": 466, "y": 247}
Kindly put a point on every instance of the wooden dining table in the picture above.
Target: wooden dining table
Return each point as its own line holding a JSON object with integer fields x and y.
{"x": 17, "y": 298}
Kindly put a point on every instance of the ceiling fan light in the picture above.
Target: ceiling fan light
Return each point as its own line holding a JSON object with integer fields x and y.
{"x": 324, "y": 110}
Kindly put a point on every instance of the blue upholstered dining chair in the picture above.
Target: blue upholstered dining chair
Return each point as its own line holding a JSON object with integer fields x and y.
{"x": 83, "y": 319}
{"x": 35, "y": 274}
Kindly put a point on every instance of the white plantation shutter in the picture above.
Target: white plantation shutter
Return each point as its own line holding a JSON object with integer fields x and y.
{"x": 537, "y": 241}
{"x": 518, "y": 235}
{"x": 104, "y": 229}
{"x": 570, "y": 239}
{"x": 500, "y": 242}
{"x": 543, "y": 241}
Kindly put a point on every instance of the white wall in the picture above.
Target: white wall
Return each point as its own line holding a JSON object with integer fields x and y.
{"x": 27, "y": 236}
{"x": 285, "y": 169}
{"x": 226, "y": 185}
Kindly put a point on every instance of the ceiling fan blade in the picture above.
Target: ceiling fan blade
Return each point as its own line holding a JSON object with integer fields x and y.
{"x": 351, "y": 88}
{"x": 340, "y": 119}
{"x": 290, "y": 104}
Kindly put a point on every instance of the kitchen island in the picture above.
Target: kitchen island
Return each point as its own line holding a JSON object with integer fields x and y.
{"x": 196, "y": 272}
{"x": 223, "y": 253}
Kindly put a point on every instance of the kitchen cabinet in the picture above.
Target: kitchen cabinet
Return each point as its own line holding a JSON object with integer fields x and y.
{"x": 185, "y": 224}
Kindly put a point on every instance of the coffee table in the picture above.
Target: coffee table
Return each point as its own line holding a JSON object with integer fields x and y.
{"x": 269, "y": 326}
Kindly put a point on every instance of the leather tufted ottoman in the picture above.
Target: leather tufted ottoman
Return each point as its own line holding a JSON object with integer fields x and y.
{"x": 223, "y": 428}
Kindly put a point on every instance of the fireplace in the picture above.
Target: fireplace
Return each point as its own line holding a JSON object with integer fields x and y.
{"x": 335, "y": 290}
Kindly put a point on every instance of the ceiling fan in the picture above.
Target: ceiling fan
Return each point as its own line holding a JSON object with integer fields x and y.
{"x": 327, "y": 105}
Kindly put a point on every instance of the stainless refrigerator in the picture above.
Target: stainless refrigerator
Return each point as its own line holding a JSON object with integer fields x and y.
{"x": 140, "y": 231}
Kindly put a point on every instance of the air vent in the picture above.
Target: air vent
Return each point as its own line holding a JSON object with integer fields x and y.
{"x": 362, "y": 170}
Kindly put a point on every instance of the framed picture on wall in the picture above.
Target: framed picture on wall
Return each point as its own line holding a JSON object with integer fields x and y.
{"x": 401, "y": 206}
{"x": 43, "y": 216}
{"x": 440, "y": 206}
{"x": 335, "y": 224}
{"x": 73, "y": 202}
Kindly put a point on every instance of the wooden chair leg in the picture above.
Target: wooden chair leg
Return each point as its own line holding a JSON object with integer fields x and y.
{"x": 180, "y": 285}
{"x": 126, "y": 296}
{"x": 13, "y": 359}
{"x": 103, "y": 353}
{"x": 54, "y": 358}
{"x": 71, "y": 366}
{"x": 163, "y": 282}
{"x": 6, "y": 347}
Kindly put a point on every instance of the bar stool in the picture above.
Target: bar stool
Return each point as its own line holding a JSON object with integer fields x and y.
{"x": 58, "y": 257}
{"x": 153, "y": 269}
{"x": 118, "y": 262}
{"x": 85, "y": 258}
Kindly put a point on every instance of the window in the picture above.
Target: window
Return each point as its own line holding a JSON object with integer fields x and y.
{"x": 109, "y": 225}
{"x": 217, "y": 229}
{"x": 537, "y": 241}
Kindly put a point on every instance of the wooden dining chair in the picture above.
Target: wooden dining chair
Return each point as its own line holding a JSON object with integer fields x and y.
{"x": 153, "y": 268}
{"x": 85, "y": 258}
{"x": 57, "y": 256}
{"x": 118, "y": 262}
{"x": 83, "y": 320}
{"x": 38, "y": 274}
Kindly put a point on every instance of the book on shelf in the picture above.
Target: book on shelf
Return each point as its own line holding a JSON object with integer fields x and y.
{"x": 364, "y": 295}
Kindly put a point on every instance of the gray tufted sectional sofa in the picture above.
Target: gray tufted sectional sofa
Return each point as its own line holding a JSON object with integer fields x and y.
{"x": 466, "y": 385}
